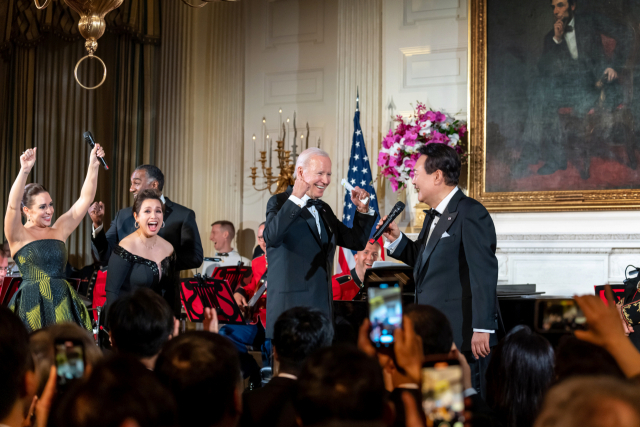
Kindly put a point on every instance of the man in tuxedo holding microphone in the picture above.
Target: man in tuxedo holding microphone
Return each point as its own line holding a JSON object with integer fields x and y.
{"x": 301, "y": 235}
{"x": 453, "y": 259}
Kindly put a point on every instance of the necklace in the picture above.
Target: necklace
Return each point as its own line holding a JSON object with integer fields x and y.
{"x": 152, "y": 246}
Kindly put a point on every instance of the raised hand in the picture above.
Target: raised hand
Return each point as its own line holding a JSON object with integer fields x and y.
{"x": 357, "y": 196}
{"x": 392, "y": 232}
{"x": 96, "y": 212}
{"x": 300, "y": 187}
{"x": 95, "y": 153}
{"x": 28, "y": 159}
{"x": 558, "y": 30}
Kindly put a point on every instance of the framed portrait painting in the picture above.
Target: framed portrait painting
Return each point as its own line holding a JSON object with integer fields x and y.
{"x": 554, "y": 104}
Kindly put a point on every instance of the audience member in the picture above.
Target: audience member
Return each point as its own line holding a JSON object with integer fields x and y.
{"x": 518, "y": 376}
{"x": 298, "y": 332}
{"x": 18, "y": 380}
{"x": 119, "y": 392}
{"x": 139, "y": 325}
{"x": 575, "y": 357}
{"x": 41, "y": 345}
{"x": 591, "y": 402}
{"x": 202, "y": 370}
{"x": 341, "y": 384}
{"x": 4, "y": 265}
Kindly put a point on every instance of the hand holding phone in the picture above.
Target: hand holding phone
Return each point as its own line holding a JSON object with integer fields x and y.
{"x": 385, "y": 311}
{"x": 443, "y": 392}
{"x": 70, "y": 362}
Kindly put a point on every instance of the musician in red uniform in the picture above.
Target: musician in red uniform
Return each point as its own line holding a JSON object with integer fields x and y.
{"x": 347, "y": 285}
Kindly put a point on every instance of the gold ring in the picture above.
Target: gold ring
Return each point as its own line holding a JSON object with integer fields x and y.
{"x": 104, "y": 76}
{"x": 46, "y": 3}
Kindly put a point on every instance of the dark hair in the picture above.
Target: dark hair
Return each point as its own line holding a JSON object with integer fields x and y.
{"x": 228, "y": 225}
{"x": 30, "y": 191}
{"x": 340, "y": 383}
{"x": 518, "y": 376}
{"x": 202, "y": 370}
{"x": 147, "y": 194}
{"x": 118, "y": 388}
{"x": 154, "y": 174}
{"x": 575, "y": 357}
{"x": 140, "y": 323}
{"x": 432, "y": 326}
{"x": 444, "y": 158}
{"x": 15, "y": 360}
{"x": 571, "y": 2}
{"x": 297, "y": 333}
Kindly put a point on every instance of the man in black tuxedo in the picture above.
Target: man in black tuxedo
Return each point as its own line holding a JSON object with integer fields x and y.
{"x": 180, "y": 228}
{"x": 298, "y": 333}
{"x": 455, "y": 267}
{"x": 302, "y": 233}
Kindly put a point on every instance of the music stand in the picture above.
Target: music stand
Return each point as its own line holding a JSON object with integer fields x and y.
{"x": 234, "y": 275}
{"x": 197, "y": 294}
{"x": 400, "y": 272}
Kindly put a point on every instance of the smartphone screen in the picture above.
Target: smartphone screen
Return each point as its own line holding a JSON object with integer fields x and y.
{"x": 559, "y": 316}
{"x": 385, "y": 311}
{"x": 69, "y": 361}
{"x": 442, "y": 393}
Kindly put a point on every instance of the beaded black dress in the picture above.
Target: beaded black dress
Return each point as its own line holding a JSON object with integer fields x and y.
{"x": 128, "y": 272}
{"x": 45, "y": 297}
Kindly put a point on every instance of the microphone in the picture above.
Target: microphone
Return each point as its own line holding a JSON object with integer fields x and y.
{"x": 397, "y": 210}
{"x": 88, "y": 138}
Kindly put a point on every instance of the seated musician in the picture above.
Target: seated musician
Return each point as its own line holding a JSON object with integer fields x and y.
{"x": 245, "y": 335}
{"x": 347, "y": 285}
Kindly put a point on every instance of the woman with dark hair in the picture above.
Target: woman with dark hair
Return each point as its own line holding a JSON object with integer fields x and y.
{"x": 142, "y": 259}
{"x": 518, "y": 376}
{"x": 38, "y": 248}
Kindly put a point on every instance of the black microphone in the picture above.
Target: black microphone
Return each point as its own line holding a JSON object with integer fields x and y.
{"x": 88, "y": 138}
{"x": 397, "y": 210}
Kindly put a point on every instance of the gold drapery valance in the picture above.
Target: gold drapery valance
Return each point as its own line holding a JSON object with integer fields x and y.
{"x": 23, "y": 25}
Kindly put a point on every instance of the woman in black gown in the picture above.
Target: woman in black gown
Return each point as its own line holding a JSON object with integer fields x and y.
{"x": 142, "y": 259}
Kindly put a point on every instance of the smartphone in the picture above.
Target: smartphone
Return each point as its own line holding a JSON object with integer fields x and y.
{"x": 558, "y": 316}
{"x": 443, "y": 393}
{"x": 385, "y": 311}
{"x": 70, "y": 361}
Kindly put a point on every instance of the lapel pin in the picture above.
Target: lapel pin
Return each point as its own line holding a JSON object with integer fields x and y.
{"x": 449, "y": 218}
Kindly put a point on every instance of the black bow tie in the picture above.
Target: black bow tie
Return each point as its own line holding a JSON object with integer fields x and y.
{"x": 314, "y": 202}
{"x": 568, "y": 29}
{"x": 222, "y": 254}
{"x": 432, "y": 213}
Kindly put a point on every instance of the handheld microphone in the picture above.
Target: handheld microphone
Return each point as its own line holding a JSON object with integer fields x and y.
{"x": 88, "y": 138}
{"x": 397, "y": 210}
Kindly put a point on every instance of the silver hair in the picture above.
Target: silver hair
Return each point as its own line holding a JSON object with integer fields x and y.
{"x": 307, "y": 155}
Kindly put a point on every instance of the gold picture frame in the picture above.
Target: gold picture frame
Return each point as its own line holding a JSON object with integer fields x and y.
{"x": 517, "y": 201}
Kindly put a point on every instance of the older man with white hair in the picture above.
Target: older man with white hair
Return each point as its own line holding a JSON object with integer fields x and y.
{"x": 302, "y": 233}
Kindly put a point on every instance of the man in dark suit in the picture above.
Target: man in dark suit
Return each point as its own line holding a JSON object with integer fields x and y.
{"x": 455, "y": 267}
{"x": 302, "y": 233}
{"x": 298, "y": 332}
{"x": 179, "y": 228}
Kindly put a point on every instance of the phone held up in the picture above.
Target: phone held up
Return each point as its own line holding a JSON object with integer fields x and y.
{"x": 385, "y": 311}
{"x": 558, "y": 316}
{"x": 70, "y": 362}
{"x": 443, "y": 392}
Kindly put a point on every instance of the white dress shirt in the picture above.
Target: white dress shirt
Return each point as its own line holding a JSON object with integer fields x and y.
{"x": 97, "y": 230}
{"x": 230, "y": 260}
{"x": 570, "y": 38}
{"x": 391, "y": 246}
{"x": 303, "y": 203}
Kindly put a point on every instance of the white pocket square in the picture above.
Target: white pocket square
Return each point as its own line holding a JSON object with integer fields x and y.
{"x": 445, "y": 234}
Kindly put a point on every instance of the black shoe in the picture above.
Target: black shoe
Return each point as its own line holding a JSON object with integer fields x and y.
{"x": 551, "y": 167}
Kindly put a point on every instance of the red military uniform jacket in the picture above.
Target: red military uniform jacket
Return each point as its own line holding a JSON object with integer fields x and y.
{"x": 345, "y": 286}
{"x": 259, "y": 268}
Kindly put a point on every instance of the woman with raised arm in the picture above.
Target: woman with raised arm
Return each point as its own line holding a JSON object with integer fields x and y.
{"x": 39, "y": 250}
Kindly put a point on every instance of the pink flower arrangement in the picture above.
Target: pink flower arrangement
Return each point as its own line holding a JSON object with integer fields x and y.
{"x": 399, "y": 151}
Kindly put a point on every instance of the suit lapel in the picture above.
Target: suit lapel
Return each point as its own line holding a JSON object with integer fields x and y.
{"x": 168, "y": 208}
{"x": 311, "y": 222}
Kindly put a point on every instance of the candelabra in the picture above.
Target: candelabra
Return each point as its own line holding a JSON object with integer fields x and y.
{"x": 284, "y": 178}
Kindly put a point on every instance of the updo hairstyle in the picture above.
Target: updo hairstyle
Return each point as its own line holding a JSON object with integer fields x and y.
{"x": 147, "y": 194}
{"x": 30, "y": 191}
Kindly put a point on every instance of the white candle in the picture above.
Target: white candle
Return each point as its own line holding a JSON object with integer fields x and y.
{"x": 254, "y": 149}
{"x": 288, "y": 134}
{"x": 270, "y": 152}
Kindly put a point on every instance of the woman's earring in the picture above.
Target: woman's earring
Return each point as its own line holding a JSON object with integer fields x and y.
{"x": 136, "y": 225}
{"x": 29, "y": 218}
{"x": 162, "y": 224}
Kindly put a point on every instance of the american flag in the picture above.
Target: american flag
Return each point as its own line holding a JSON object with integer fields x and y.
{"x": 359, "y": 175}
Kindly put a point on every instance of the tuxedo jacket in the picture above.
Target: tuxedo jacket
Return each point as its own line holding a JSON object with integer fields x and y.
{"x": 180, "y": 230}
{"x": 300, "y": 260}
{"x": 457, "y": 272}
